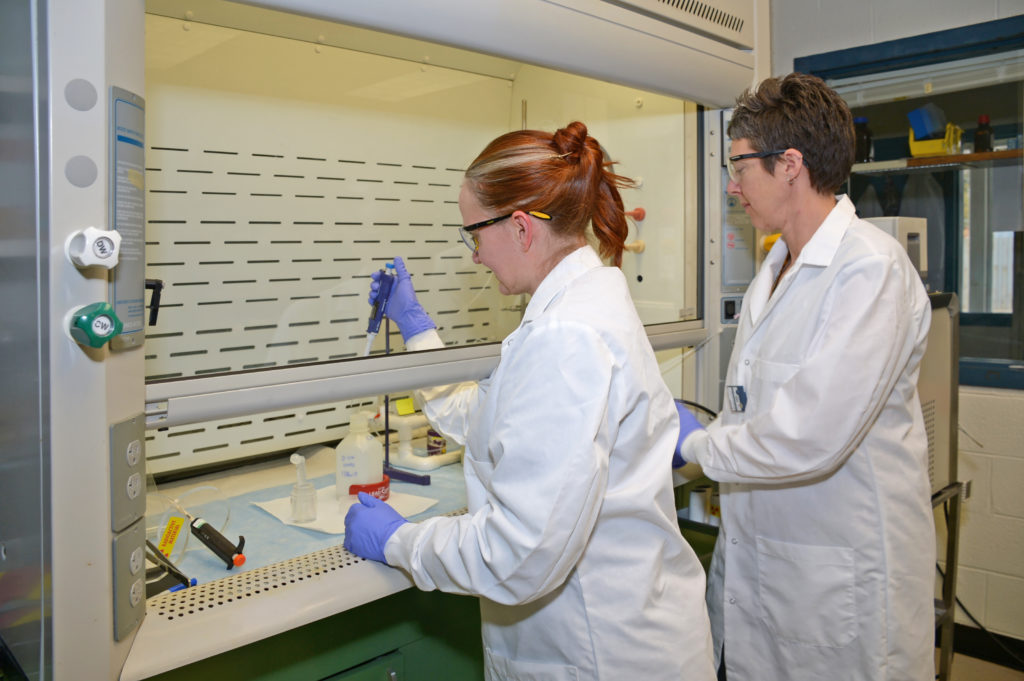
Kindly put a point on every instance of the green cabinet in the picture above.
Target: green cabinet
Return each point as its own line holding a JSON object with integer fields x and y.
{"x": 387, "y": 668}
{"x": 408, "y": 636}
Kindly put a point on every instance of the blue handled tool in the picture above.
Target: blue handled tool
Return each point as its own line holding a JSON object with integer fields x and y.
{"x": 386, "y": 281}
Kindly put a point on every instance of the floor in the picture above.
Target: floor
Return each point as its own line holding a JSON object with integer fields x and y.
{"x": 972, "y": 669}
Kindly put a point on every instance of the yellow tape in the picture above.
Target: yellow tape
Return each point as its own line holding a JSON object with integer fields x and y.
{"x": 405, "y": 406}
{"x": 170, "y": 535}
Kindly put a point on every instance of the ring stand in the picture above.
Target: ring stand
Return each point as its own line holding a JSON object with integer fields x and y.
{"x": 389, "y": 470}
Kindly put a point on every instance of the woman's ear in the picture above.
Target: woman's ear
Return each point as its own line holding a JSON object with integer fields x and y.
{"x": 523, "y": 230}
{"x": 793, "y": 164}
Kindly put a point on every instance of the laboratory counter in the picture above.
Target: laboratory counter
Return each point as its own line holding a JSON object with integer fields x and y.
{"x": 301, "y": 606}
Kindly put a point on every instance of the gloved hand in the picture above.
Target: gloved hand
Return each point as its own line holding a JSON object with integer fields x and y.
{"x": 403, "y": 306}
{"x": 688, "y": 423}
{"x": 368, "y": 526}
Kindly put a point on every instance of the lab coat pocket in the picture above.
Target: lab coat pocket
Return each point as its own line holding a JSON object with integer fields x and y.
{"x": 807, "y": 592}
{"x": 498, "y": 667}
{"x": 765, "y": 380}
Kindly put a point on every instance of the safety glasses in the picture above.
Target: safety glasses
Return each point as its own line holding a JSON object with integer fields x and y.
{"x": 734, "y": 173}
{"x": 468, "y": 233}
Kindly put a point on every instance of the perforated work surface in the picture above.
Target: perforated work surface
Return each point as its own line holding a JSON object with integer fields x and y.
{"x": 236, "y": 589}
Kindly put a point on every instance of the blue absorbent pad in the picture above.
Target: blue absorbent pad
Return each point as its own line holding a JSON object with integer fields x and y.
{"x": 268, "y": 540}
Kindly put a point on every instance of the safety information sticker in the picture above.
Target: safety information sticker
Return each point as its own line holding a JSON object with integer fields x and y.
{"x": 170, "y": 535}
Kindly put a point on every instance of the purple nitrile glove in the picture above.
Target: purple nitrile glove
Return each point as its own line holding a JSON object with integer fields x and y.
{"x": 403, "y": 307}
{"x": 688, "y": 423}
{"x": 368, "y": 526}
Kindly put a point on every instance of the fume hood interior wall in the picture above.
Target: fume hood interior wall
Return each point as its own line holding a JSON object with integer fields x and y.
{"x": 281, "y": 174}
{"x": 651, "y": 139}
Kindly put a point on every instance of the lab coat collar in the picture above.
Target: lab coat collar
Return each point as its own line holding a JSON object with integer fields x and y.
{"x": 817, "y": 252}
{"x": 824, "y": 243}
{"x": 578, "y": 262}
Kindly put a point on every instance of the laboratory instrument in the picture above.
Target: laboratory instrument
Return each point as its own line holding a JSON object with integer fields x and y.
{"x": 230, "y": 553}
{"x": 380, "y": 305}
{"x": 303, "y": 493}
{"x": 403, "y": 307}
{"x": 164, "y": 574}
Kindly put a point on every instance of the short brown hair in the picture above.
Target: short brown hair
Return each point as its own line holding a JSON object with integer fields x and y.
{"x": 800, "y": 112}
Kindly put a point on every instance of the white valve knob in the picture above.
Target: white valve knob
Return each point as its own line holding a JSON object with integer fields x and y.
{"x": 93, "y": 247}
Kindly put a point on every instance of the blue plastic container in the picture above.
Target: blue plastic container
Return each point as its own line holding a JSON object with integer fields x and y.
{"x": 928, "y": 122}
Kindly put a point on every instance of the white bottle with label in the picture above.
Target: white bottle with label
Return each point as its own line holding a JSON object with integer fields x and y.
{"x": 359, "y": 457}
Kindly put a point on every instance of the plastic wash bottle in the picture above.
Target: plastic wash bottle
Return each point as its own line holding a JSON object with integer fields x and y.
{"x": 359, "y": 457}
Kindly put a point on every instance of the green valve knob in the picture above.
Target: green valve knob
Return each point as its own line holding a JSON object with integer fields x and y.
{"x": 94, "y": 325}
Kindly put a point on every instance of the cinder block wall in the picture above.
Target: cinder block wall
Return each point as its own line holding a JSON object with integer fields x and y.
{"x": 991, "y": 579}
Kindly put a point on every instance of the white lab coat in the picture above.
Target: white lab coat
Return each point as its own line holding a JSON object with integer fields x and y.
{"x": 571, "y": 540}
{"x": 824, "y": 568}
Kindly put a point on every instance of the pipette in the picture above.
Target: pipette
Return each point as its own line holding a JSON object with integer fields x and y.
{"x": 386, "y": 281}
{"x": 215, "y": 541}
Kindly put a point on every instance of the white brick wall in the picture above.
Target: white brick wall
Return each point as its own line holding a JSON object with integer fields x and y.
{"x": 991, "y": 579}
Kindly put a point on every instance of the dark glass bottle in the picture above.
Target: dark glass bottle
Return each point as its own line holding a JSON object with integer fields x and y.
{"x": 983, "y": 135}
{"x": 862, "y": 135}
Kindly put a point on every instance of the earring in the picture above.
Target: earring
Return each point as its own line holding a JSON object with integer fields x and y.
{"x": 790, "y": 180}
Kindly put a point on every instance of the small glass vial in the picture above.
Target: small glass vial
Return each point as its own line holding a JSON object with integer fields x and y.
{"x": 862, "y": 135}
{"x": 983, "y": 135}
{"x": 436, "y": 443}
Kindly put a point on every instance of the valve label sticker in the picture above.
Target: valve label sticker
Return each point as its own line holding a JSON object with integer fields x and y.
{"x": 102, "y": 326}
